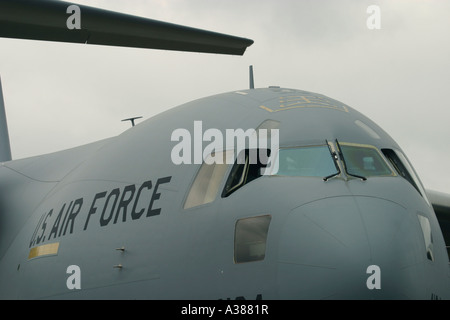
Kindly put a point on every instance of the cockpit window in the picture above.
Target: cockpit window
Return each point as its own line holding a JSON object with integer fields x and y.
{"x": 359, "y": 160}
{"x": 364, "y": 160}
{"x": 405, "y": 170}
{"x": 247, "y": 167}
{"x": 311, "y": 161}
{"x": 208, "y": 180}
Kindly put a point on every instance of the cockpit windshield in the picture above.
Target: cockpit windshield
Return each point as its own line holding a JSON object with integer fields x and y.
{"x": 360, "y": 161}
{"x": 364, "y": 160}
{"x": 311, "y": 161}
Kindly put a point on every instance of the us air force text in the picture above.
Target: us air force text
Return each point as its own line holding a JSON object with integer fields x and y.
{"x": 107, "y": 207}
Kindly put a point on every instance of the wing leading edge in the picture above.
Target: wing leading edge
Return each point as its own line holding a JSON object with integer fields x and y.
{"x": 47, "y": 20}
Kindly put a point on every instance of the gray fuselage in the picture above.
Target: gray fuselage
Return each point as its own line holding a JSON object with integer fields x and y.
{"x": 116, "y": 210}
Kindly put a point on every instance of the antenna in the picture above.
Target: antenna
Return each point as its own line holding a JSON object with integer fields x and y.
{"x": 252, "y": 83}
{"x": 132, "y": 120}
{"x": 5, "y": 148}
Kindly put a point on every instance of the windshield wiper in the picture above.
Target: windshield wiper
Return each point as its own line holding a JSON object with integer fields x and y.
{"x": 335, "y": 159}
{"x": 341, "y": 155}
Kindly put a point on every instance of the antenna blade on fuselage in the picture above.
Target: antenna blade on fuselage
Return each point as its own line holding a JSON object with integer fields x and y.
{"x": 54, "y": 21}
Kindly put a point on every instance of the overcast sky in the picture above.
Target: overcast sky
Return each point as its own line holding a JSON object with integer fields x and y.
{"x": 60, "y": 95}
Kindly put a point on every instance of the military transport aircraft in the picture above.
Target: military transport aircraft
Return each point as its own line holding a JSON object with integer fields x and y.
{"x": 335, "y": 212}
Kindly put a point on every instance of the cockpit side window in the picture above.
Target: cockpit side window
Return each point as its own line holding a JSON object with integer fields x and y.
{"x": 427, "y": 236}
{"x": 247, "y": 167}
{"x": 399, "y": 166}
{"x": 405, "y": 170}
{"x": 206, "y": 185}
{"x": 250, "y": 237}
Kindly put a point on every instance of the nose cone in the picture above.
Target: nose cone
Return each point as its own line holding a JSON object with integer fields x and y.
{"x": 349, "y": 248}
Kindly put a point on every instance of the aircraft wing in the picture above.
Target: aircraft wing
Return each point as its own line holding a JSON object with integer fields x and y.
{"x": 441, "y": 205}
{"x": 51, "y": 20}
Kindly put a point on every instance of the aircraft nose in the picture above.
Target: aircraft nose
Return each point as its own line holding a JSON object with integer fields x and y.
{"x": 349, "y": 248}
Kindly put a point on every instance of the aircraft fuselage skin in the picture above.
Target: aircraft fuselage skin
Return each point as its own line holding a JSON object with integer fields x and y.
{"x": 114, "y": 209}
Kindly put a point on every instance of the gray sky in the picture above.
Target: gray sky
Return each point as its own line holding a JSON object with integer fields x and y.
{"x": 60, "y": 95}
